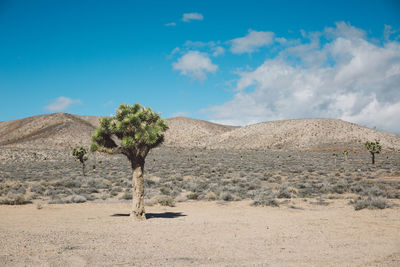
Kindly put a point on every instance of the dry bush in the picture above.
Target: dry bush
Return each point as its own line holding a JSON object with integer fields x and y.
{"x": 14, "y": 199}
{"x": 371, "y": 202}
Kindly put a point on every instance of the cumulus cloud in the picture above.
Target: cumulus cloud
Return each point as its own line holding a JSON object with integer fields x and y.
{"x": 61, "y": 104}
{"x": 187, "y": 17}
{"x": 195, "y": 65}
{"x": 217, "y": 51}
{"x": 251, "y": 42}
{"x": 171, "y": 24}
{"x": 213, "y": 48}
{"x": 346, "y": 77}
{"x": 180, "y": 114}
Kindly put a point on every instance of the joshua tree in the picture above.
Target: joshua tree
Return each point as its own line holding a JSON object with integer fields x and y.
{"x": 335, "y": 156}
{"x": 345, "y": 154}
{"x": 133, "y": 131}
{"x": 373, "y": 148}
{"x": 79, "y": 154}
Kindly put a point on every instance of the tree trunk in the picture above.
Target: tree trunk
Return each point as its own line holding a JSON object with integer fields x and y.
{"x": 373, "y": 158}
{"x": 138, "y": 192}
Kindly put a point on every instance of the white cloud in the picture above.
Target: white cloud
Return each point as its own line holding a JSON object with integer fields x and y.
{"x": 61, "y": 103}
{"x": 348, "y": 77}
{"x": 345, "y": 30}
{"x": 195, "y": 64}
{"x": 180, "y": 114}
{"x": 213, "y": 48}
{"x": 171, "y": 24}
{"x": 187, "y": 17}
{"x": 217, "y": 51}
{"x": 251, "y": 42}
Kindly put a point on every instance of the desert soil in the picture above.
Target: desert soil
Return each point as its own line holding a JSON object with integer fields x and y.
{"x": 199, "y": 233}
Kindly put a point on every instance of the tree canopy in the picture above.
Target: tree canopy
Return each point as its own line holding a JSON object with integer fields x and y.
{"x": 133, "y": 131}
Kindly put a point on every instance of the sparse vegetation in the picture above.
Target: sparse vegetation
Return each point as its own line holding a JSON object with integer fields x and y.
{"x": 14, "y": 199}
{"x": 370, "y": 202}
{"x": 218, "y": 175}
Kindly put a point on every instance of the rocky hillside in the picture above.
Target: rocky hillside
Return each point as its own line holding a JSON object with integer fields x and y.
{"x": 186, "y": 132}
{"x": 59, "y": 129}
{"x": 303, "y": 135}
{"x": 67, "y": 130}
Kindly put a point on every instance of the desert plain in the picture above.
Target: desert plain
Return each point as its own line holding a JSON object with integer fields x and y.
{"x": 272, "y": 194}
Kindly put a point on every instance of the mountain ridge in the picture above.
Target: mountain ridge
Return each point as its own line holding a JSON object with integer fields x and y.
{"x": 319, "y": 134}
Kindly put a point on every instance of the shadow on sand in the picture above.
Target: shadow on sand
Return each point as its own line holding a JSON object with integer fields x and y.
{"x": 166, "y": 215}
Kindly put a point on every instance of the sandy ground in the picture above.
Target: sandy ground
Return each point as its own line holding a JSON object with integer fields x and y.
{"x": 199, "y": 233}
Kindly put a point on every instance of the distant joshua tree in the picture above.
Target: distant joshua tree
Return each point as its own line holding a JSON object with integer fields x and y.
{"x": 335, "y": 156}
{"x": 133, "y": 131}
{"x": 79, "y": 154}
{"x": 345, "y": 154}
{"x": 373, "y": 148}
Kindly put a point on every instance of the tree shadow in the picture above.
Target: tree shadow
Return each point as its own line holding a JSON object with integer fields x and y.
{"x": 121, "y": 215}
{"x": 167, "y": 215}
{"x": 163, "y": 215}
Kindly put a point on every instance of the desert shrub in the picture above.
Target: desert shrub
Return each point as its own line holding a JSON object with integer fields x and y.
{"x": 285, "y": 191}
{"x": 166, "y": 201}
{"x": 78, "y": 199}
{"x": 166, "y": 190}
{"x": 103, "y": 183}
{"x": 58, "y": 200}
{"x": 357, "y": 188}
{"x": 192, "y": 196}
{"x": 149, "y": 183}
{"x": 113, "y": 193}
{"x": 90, "y": 197}
{"x": 265, "y": 198}
{"x": 150, "y": 192}
{"x": 127, "y": 195}
{"x": 37, "y": 188}
{"x": 370, "y": 202}
{"x": 306, "y": 189}
{"x": 375, "y": 191}
{"x": 320, "y": 201}
{"x": 69, "y": 183}
{"x": 12, "y": 188}
{"x": 226, "y": 196}
{"x": 14, "y": 199}
{"x": 341, "y": 187}
{"x": 325, "y": 187}
{"x": 211, "y": 196}
{"x": 260, "y": 201}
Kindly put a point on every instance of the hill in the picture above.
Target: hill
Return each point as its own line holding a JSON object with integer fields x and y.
{"x": 303, "y": 135}
{"x": 58, "y": 129}
{"x": 68, "y": 130}
{"x": 186, "y": 132}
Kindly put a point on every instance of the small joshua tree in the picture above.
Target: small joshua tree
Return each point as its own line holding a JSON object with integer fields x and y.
{"x": 133, "y": 131}
{"x": 345, "y": 154}
{"x": 373, "y": 148}
{"x": 335, "y": 156}
{"x": 79, "y": 154}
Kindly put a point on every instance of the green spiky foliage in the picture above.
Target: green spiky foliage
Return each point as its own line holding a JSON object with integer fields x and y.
{"x": 345, "y": 154}
{"x": 138, "y": 129}
{"x": 79, "y": 154}
{"x": 373, "y": 148}
{"x": 133, "y": 132}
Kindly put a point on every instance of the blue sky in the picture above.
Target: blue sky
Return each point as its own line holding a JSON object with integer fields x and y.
{"x": 233, "y": 62}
